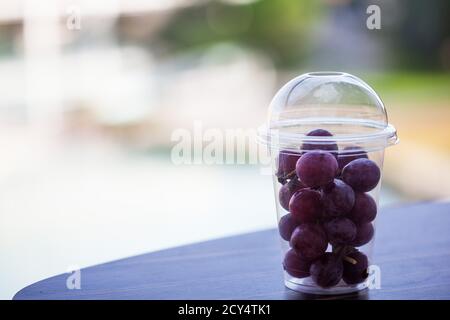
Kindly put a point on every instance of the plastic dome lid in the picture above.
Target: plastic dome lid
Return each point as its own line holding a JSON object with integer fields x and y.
{"x": 335, "y": 101}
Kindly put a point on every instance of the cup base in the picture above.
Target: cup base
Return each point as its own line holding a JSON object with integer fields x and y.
{"x": 306, "y": 285}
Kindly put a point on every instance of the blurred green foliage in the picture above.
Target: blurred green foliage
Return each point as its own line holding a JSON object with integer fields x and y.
{"x": 412, "y": 87}
{"x": 279, "y": 28}
{"x": 287, "y": 31}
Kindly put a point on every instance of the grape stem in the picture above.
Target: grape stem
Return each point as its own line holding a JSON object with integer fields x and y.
{"x": 286, "y": 177}
{"x": 351, "y": 260}
{"x": 342, "y": 252}
{"x": 291, "y": 174}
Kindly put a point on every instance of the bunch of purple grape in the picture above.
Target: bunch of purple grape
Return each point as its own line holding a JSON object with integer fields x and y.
{"x": 325, "y": 194}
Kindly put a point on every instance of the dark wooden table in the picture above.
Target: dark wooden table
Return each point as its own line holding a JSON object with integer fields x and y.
{"x": 412, "y": 248}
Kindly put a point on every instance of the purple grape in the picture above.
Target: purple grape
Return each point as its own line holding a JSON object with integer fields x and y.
{"x": 319, "y": 133}
{"x": 309, "y": 241}
{"x": 286, "y": 162}
{"x": 286, "y": 226}
{"x": 287, "y": 190}
{"x": 327, "y": 271}
{"x": 284, "y": 195}
{"x": 346, "y": 158}
{"x": 295, "y": 265}
{"x": 361, "y": 174}
{"x": 316, "y": 168}
{"x": 338, "y": 198}
{"x": 340, "y": 231}
{"x": 331, "y": 146}
{"x": 306, "y": 205}
{"x": 364, "y": 233}
{"x": 364, "y": 210}
{"x": 355, "y": 268}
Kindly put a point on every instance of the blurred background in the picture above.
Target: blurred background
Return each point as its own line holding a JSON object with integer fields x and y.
{"x": 91, "y": 91}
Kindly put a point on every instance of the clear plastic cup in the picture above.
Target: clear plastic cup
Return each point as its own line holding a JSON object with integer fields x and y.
{"x": 326, "y": 133}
